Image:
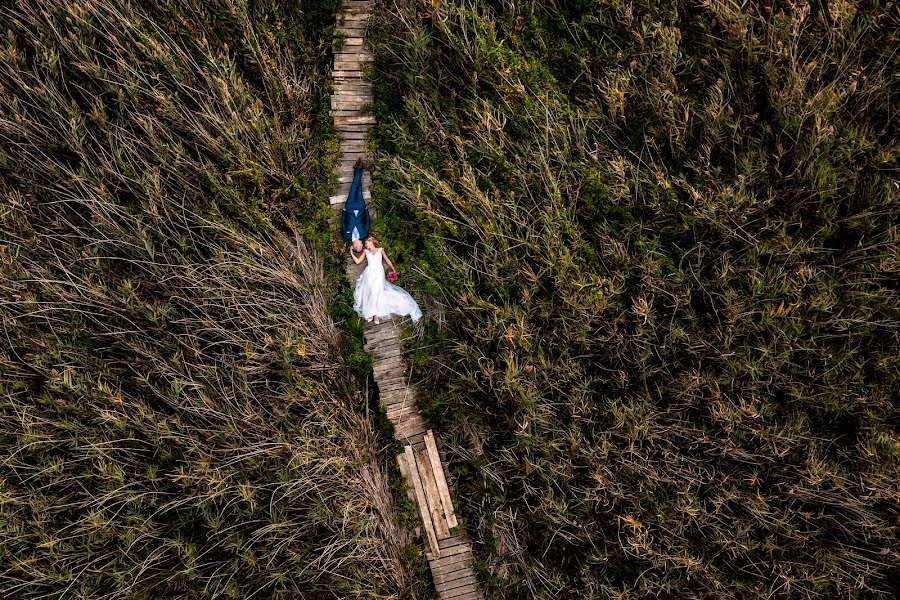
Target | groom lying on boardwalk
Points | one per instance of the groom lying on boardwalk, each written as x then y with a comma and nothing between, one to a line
355,215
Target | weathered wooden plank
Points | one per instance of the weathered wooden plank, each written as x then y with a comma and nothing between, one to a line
416,441
356,146
420,499
388,351
410,420
396,394
404,471
381,360
411,427
347,16
385,364
453,563
440,481
398,373
386,381
351,39
349,103
394,388
353,53
375,336
348,74
456,550
426,472
348,65
398,397
381,332
454,540
352,84
350,129
460,573
408,426
467,593
389,344
445,588
347,97
353,28
400,415
344,110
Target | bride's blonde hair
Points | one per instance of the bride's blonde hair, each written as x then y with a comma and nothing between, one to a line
374,241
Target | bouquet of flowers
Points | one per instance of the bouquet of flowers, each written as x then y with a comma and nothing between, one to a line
392,276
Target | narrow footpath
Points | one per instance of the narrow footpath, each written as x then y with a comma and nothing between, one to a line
448,549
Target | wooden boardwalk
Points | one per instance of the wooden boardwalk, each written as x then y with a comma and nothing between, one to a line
448,549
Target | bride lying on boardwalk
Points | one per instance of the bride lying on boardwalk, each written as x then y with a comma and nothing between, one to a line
375,298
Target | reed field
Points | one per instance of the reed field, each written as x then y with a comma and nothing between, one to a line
658,250
177,415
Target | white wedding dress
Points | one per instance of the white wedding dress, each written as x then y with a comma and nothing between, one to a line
375,296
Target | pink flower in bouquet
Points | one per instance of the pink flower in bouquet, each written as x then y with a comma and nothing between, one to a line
392,276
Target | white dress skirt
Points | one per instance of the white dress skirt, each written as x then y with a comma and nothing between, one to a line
375,296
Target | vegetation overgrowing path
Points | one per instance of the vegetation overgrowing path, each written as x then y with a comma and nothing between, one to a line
449,550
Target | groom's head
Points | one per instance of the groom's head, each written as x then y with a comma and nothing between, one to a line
357,245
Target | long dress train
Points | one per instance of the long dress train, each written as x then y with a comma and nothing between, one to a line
374,295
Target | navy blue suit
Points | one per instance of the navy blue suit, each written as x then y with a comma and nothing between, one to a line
355,213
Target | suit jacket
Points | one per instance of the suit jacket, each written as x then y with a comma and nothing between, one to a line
355,213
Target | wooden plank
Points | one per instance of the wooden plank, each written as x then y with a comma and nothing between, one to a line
384,344
345,97
349,109
352,29
439,478
454,540
452,564
456,550
420,500
384,364
400,409
411,428
349,129
467,593
453,585
426,472
393,388
456,571
404,471
376,337
353,84
348,65
399,396
416,441
353,53
349,103
388,351
461,573
348,74
381,359
410,420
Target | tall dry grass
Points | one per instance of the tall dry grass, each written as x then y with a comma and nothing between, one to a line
659,245
177,419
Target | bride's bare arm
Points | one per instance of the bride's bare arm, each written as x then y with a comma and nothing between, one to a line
387,260
356,259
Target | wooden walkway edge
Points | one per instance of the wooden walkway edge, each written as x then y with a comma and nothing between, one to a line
449,550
